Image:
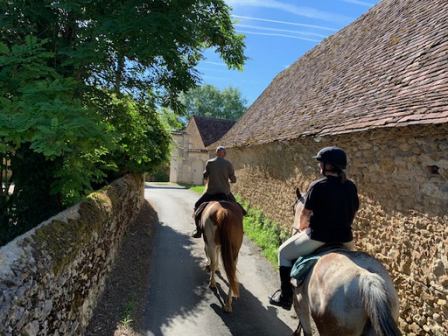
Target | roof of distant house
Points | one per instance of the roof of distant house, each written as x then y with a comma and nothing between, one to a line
212,129
386,69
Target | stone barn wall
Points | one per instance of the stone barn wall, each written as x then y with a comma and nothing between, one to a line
402,180
52,276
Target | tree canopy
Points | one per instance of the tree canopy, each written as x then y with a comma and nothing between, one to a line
208,101
80,85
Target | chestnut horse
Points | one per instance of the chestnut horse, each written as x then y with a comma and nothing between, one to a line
223,234
347,293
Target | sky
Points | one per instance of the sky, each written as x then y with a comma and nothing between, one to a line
278,32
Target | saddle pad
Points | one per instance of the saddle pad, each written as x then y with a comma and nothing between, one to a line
303,266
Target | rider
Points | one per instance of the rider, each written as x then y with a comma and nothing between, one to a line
330,207
219,173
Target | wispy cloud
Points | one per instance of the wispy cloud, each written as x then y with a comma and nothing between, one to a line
276,34
214,63
279,30
361,3
284,22
293,9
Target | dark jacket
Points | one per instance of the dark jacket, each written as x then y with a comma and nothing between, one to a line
334,205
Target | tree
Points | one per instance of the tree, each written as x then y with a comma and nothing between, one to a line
80,83
208,101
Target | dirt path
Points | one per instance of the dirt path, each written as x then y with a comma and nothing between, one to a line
126,286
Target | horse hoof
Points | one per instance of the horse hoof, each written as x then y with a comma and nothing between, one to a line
228,309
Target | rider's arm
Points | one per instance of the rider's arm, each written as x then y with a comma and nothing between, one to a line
232,177
305,215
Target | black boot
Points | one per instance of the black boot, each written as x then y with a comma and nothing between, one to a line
198,232
283,297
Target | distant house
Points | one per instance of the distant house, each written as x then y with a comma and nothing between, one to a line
189,154
379,89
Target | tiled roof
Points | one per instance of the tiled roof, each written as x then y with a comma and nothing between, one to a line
212,129
386,69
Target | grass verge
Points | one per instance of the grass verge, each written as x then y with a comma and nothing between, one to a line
264,232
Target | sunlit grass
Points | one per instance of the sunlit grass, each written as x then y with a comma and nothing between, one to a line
198,188
267,235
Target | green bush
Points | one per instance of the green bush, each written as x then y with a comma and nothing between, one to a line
160,177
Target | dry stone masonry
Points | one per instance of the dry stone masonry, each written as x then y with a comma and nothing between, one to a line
52,276
402,179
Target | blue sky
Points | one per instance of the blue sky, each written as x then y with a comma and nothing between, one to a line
278,32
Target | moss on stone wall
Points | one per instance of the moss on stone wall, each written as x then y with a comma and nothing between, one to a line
55,273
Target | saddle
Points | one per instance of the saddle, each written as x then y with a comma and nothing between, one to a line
218,197
305,264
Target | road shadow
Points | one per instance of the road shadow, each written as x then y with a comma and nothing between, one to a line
180,292
249,316
180,284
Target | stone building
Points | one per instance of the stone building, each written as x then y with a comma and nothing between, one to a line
189,154
378,89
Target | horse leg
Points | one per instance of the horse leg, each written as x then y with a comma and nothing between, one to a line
302,311
228,307
210,253
217,251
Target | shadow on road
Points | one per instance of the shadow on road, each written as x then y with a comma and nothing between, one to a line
179,297
249,316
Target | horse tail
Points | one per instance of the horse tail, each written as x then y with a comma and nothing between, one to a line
229,252
378,306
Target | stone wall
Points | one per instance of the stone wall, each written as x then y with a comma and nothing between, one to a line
52,276
402,179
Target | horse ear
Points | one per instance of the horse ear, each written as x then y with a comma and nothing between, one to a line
299,195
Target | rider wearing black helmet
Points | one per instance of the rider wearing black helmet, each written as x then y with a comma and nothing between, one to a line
326,217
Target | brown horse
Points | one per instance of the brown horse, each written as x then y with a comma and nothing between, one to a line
223,232
347,293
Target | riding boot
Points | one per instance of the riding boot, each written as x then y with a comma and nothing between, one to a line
284,299
198,232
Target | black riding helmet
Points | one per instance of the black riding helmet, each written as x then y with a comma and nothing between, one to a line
334,156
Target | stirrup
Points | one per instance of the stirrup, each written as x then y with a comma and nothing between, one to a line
274,295
197,234
279,301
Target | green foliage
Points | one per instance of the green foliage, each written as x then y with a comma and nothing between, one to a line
171,121
38,106
197,188
161,177
141,143
263,232
129,46
208,101
79,87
